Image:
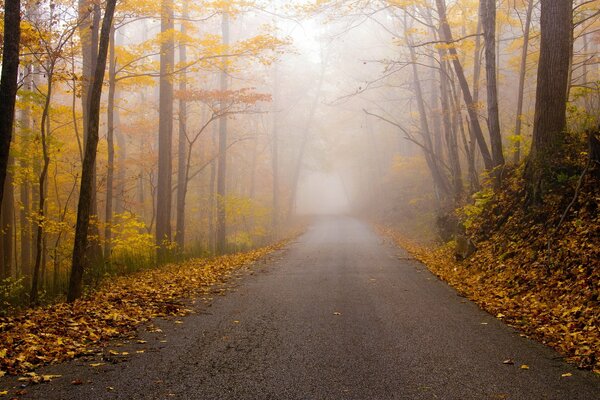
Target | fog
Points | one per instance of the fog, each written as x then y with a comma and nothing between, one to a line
217,132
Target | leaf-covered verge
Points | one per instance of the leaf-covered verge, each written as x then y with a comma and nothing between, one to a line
540,279
64,331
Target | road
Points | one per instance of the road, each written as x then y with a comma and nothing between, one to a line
339,314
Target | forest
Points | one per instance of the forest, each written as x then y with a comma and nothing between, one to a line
151,152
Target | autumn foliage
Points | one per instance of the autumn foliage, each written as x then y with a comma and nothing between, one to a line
526,270
64,331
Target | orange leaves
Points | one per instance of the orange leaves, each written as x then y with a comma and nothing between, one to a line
64,331
556,307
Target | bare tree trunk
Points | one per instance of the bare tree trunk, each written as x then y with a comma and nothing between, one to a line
89,17
8,82
522,75
110,130
438,176
165,132
181,151
488,17
84,207
551,97
458,69
24,191
275,153
211,194
39,237
221,231
7,229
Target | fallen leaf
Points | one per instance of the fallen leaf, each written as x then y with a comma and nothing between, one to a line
337,313
96,364
77,382
500,316
4,393
508,362
524,366
568,374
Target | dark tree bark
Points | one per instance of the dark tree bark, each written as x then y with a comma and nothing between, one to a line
460,74
221,228
551,96
522,75
488,18
84,206
25,227
8,82
89,16
165,133
7,228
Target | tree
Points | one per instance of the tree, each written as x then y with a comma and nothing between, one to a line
84,207
446,34
522,75
8,82
488,19
165,130
551,96
221,228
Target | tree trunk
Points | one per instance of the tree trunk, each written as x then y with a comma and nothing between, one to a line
165,133
24,191
84,207
275,153
551,96
110,131
458,69
41,211
7,229
181,151
211,194
221,231
522,75
8,82
439,179
488,17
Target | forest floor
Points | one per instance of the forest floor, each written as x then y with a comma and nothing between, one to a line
532,268
63,331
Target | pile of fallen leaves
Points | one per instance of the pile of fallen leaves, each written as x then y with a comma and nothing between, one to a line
537,276
63,331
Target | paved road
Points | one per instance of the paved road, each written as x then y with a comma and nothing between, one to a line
340,314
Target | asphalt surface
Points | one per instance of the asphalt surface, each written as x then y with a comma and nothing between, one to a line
339,314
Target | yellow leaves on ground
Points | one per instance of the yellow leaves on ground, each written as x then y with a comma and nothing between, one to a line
554,309
64,331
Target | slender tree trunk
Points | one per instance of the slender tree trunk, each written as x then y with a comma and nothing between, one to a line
165,133
7,229
477,59
110,133
89,15
522,75
551,96
275,153
8,82
41,211
211,194
221,232
488,17
458,69
438,176
181,151
24,191
84,207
